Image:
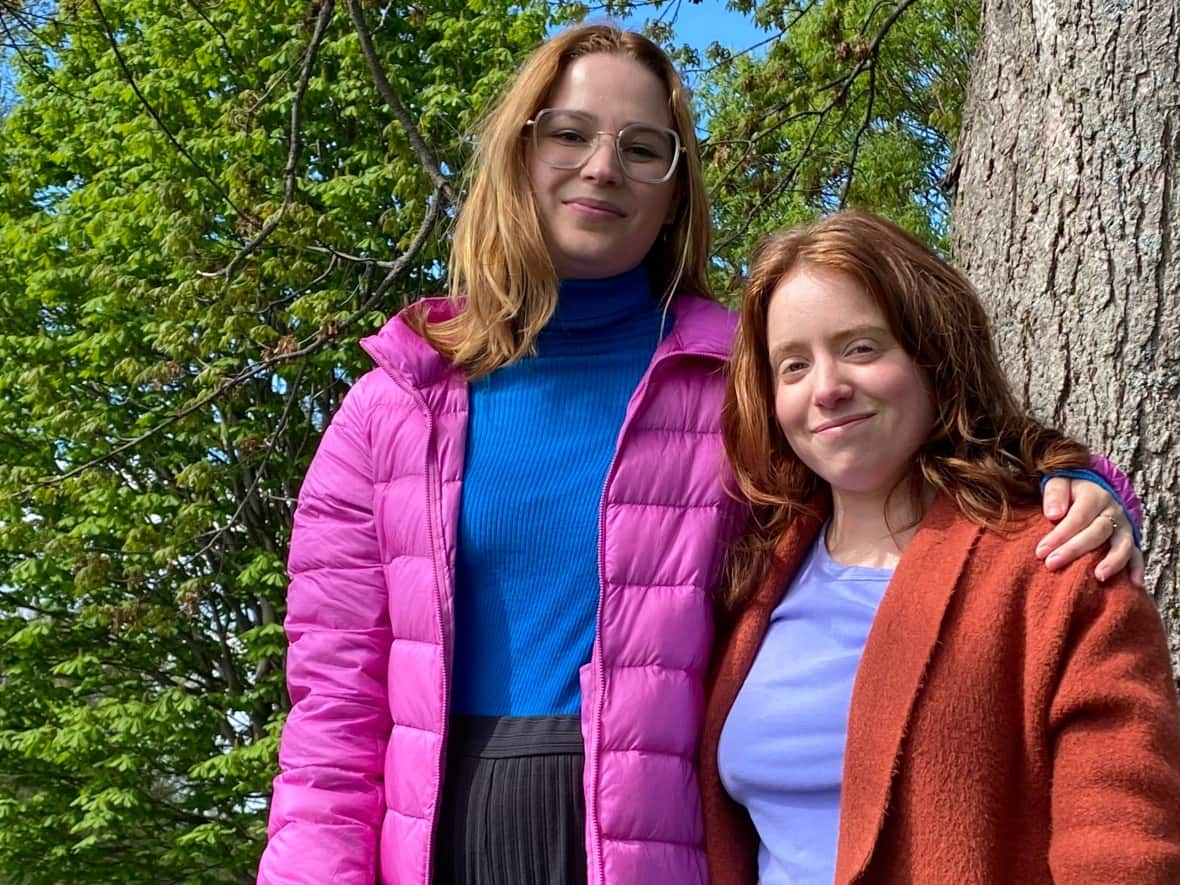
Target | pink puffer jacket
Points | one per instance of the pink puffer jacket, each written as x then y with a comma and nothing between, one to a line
371,625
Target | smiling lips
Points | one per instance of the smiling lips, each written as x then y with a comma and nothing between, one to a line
842,423
595,208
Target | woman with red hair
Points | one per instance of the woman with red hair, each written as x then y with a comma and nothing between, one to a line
903,694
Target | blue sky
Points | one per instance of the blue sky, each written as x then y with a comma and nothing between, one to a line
699,24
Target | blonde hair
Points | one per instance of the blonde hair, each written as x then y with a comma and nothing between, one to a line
500,270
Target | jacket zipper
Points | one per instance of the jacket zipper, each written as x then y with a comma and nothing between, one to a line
593,753
431,476
431,502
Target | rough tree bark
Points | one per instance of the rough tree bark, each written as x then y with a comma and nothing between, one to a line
1067,219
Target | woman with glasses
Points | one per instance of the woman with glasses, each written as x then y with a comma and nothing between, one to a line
505,548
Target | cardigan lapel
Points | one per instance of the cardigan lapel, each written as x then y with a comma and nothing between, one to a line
892,669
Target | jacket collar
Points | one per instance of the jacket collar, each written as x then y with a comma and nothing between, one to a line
399,350
702,327
900,645
749,627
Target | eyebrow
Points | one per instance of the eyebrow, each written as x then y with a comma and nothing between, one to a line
593,119
785,347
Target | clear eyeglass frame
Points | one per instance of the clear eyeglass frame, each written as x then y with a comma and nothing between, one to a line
592,146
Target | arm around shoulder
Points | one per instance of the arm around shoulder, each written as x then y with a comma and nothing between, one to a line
327,807
1114,731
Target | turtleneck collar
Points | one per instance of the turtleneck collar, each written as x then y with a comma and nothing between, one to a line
588,305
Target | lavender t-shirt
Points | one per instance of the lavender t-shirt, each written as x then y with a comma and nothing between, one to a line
782,747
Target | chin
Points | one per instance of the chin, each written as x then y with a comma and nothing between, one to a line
855,482
614,254
594,269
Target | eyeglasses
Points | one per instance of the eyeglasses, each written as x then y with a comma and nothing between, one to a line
567,139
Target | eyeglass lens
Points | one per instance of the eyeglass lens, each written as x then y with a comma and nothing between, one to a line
566,139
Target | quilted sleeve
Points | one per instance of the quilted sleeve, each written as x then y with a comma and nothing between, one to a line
328,803
1121,486
1103,472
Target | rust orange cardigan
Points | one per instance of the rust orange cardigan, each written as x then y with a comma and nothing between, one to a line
1009,725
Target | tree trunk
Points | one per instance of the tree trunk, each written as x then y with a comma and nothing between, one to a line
1067,220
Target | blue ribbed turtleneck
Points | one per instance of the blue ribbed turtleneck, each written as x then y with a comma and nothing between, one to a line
540,438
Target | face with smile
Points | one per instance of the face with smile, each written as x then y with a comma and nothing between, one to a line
852,403
597,222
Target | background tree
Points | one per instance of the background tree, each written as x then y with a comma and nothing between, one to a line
1068,221
203,205
845,103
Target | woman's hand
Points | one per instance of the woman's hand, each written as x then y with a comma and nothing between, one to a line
1093,518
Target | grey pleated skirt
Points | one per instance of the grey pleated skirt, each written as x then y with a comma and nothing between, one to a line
513,811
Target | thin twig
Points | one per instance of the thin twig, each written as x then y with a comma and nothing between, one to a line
33,69
732,57
25,15
729,59
229,54
421,150
294,144
674,8
292,395
276,78
882,32
844,84
337,255
860,133
784,181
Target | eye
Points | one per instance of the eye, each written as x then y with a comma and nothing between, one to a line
791,367
646,144
641,152
861,348
567,136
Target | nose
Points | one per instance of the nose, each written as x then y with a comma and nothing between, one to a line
831,388
603,163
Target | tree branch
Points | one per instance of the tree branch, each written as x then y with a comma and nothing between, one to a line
781,186
321,339
420,148
294,143
402,264
874,48
337,255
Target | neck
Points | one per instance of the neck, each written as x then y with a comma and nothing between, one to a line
873,529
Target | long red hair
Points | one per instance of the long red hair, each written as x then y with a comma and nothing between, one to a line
983,450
